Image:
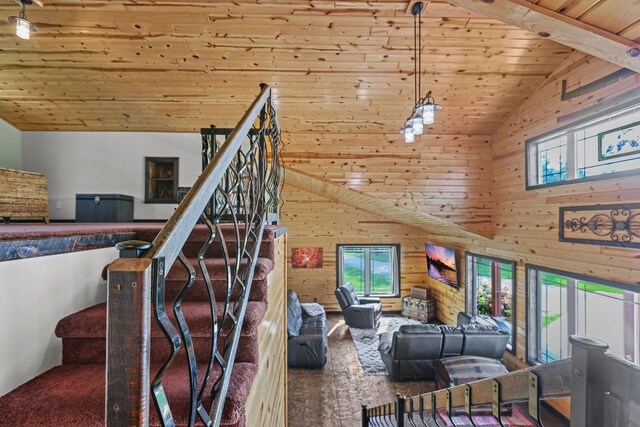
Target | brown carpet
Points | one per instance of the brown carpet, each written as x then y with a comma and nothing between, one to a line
333,396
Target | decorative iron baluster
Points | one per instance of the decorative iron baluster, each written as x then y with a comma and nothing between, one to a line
232,190
172,335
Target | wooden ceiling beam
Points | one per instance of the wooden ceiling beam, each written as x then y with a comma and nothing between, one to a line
429,223
559,28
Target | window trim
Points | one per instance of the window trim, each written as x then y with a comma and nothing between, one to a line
514,293
569,274
395,246
563,129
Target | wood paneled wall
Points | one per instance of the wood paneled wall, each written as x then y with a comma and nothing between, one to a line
447,176
314,221
525,223
267,402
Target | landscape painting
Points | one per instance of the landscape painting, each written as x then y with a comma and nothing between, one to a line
306,257
441,264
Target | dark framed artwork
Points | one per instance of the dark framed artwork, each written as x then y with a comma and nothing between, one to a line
619,142
161,180
607,225
307,257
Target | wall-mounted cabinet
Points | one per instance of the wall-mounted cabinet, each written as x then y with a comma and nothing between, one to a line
161,180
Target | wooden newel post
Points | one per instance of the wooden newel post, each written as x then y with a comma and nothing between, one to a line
587,381
129,284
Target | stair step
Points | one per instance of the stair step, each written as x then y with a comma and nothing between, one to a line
73,395
200,234
176,279
83,333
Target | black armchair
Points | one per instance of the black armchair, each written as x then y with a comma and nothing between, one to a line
358,312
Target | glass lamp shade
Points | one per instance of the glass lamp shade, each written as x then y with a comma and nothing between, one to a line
23,28
409,136
428,112
416,125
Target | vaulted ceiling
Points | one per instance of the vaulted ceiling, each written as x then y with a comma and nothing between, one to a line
335,66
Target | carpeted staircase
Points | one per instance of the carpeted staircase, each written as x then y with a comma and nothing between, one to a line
73,394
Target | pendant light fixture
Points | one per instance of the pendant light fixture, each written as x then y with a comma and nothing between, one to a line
424,109
24,27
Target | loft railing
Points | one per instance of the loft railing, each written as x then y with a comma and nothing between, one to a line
239,179
213,138
604,392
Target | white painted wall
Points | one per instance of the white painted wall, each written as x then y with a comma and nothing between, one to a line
106,162
36,294
10,140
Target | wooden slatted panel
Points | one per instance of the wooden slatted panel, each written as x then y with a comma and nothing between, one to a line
23,195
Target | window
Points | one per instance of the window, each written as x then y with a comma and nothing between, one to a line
371,269
563,304
587,150
490,292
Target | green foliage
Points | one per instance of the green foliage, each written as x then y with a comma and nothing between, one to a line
484,270
547,320
380,283
484,297
550,279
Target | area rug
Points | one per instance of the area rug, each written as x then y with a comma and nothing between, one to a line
366,342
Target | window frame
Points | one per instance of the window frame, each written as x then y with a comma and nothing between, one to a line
468,292
397,276
535,313
574,125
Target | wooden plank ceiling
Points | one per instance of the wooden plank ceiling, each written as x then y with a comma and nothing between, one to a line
342,78
335,66
607,29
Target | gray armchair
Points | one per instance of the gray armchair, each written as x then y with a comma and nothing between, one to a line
358,312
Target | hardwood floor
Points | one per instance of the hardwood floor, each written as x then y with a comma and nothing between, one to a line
332,396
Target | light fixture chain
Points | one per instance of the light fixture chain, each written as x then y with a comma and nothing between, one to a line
415,60
419,56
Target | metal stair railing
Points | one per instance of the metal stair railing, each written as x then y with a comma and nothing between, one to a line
239,178
604,392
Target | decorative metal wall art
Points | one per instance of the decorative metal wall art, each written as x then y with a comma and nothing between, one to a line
609,225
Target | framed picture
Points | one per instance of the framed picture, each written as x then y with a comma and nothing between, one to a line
619,142
306,257
161,180
442,264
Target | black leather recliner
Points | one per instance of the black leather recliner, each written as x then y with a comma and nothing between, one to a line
411,351
360,312
308,341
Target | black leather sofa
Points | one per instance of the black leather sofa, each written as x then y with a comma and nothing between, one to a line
358,312
308,341
411,351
